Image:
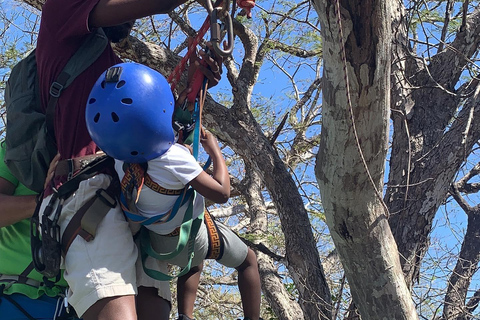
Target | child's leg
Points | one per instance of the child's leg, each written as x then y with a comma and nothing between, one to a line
154,297
187,286
150,306
249,286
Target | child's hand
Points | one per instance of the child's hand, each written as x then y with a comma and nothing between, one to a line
209,143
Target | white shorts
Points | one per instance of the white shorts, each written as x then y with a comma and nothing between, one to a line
107,266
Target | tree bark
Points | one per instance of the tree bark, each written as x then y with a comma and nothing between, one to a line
353,148
429,142
273,289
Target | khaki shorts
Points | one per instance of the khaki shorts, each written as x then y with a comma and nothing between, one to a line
107,266
234,251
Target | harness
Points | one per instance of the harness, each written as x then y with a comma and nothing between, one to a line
48,246
135,178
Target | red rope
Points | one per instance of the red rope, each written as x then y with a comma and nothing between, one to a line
180,68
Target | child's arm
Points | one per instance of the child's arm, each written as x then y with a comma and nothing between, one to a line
217,187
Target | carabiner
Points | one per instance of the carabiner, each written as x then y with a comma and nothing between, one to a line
215,29
216,33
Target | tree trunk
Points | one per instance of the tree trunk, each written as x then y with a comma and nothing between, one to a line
430,141
353,149
303,261
272,286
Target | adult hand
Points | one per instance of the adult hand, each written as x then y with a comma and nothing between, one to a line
51,170
247,6
213,68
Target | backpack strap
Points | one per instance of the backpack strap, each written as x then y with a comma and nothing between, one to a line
89,51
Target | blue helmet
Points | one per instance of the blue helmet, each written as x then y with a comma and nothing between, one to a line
129,113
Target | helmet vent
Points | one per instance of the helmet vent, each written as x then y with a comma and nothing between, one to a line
96,118
134,153
115,117
127,101
92,100
103,84
120,84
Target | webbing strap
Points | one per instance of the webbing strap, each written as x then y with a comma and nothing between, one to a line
185,230
86,220
215,241
184,240
92,48
197,114
11,279
128,206
23,276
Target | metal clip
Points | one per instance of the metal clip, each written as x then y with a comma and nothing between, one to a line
216,29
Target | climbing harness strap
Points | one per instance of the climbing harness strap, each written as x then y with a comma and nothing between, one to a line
135,178
21,278
47,249
188,232
186,238
148,182
86,220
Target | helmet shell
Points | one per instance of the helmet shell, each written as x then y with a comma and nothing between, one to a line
129,113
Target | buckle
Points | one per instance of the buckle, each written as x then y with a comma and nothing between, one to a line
103,195
55,89
113,74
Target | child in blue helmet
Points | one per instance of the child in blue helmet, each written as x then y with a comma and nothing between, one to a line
129,115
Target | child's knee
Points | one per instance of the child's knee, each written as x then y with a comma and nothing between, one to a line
250,261
196,269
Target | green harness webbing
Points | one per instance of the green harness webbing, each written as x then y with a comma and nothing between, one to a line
188,232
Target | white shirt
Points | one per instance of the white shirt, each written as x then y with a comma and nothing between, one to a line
173,170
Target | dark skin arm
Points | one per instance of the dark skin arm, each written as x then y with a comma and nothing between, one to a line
14,208
109,13
217,187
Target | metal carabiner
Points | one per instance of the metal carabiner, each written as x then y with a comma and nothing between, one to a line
216,30
216,33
